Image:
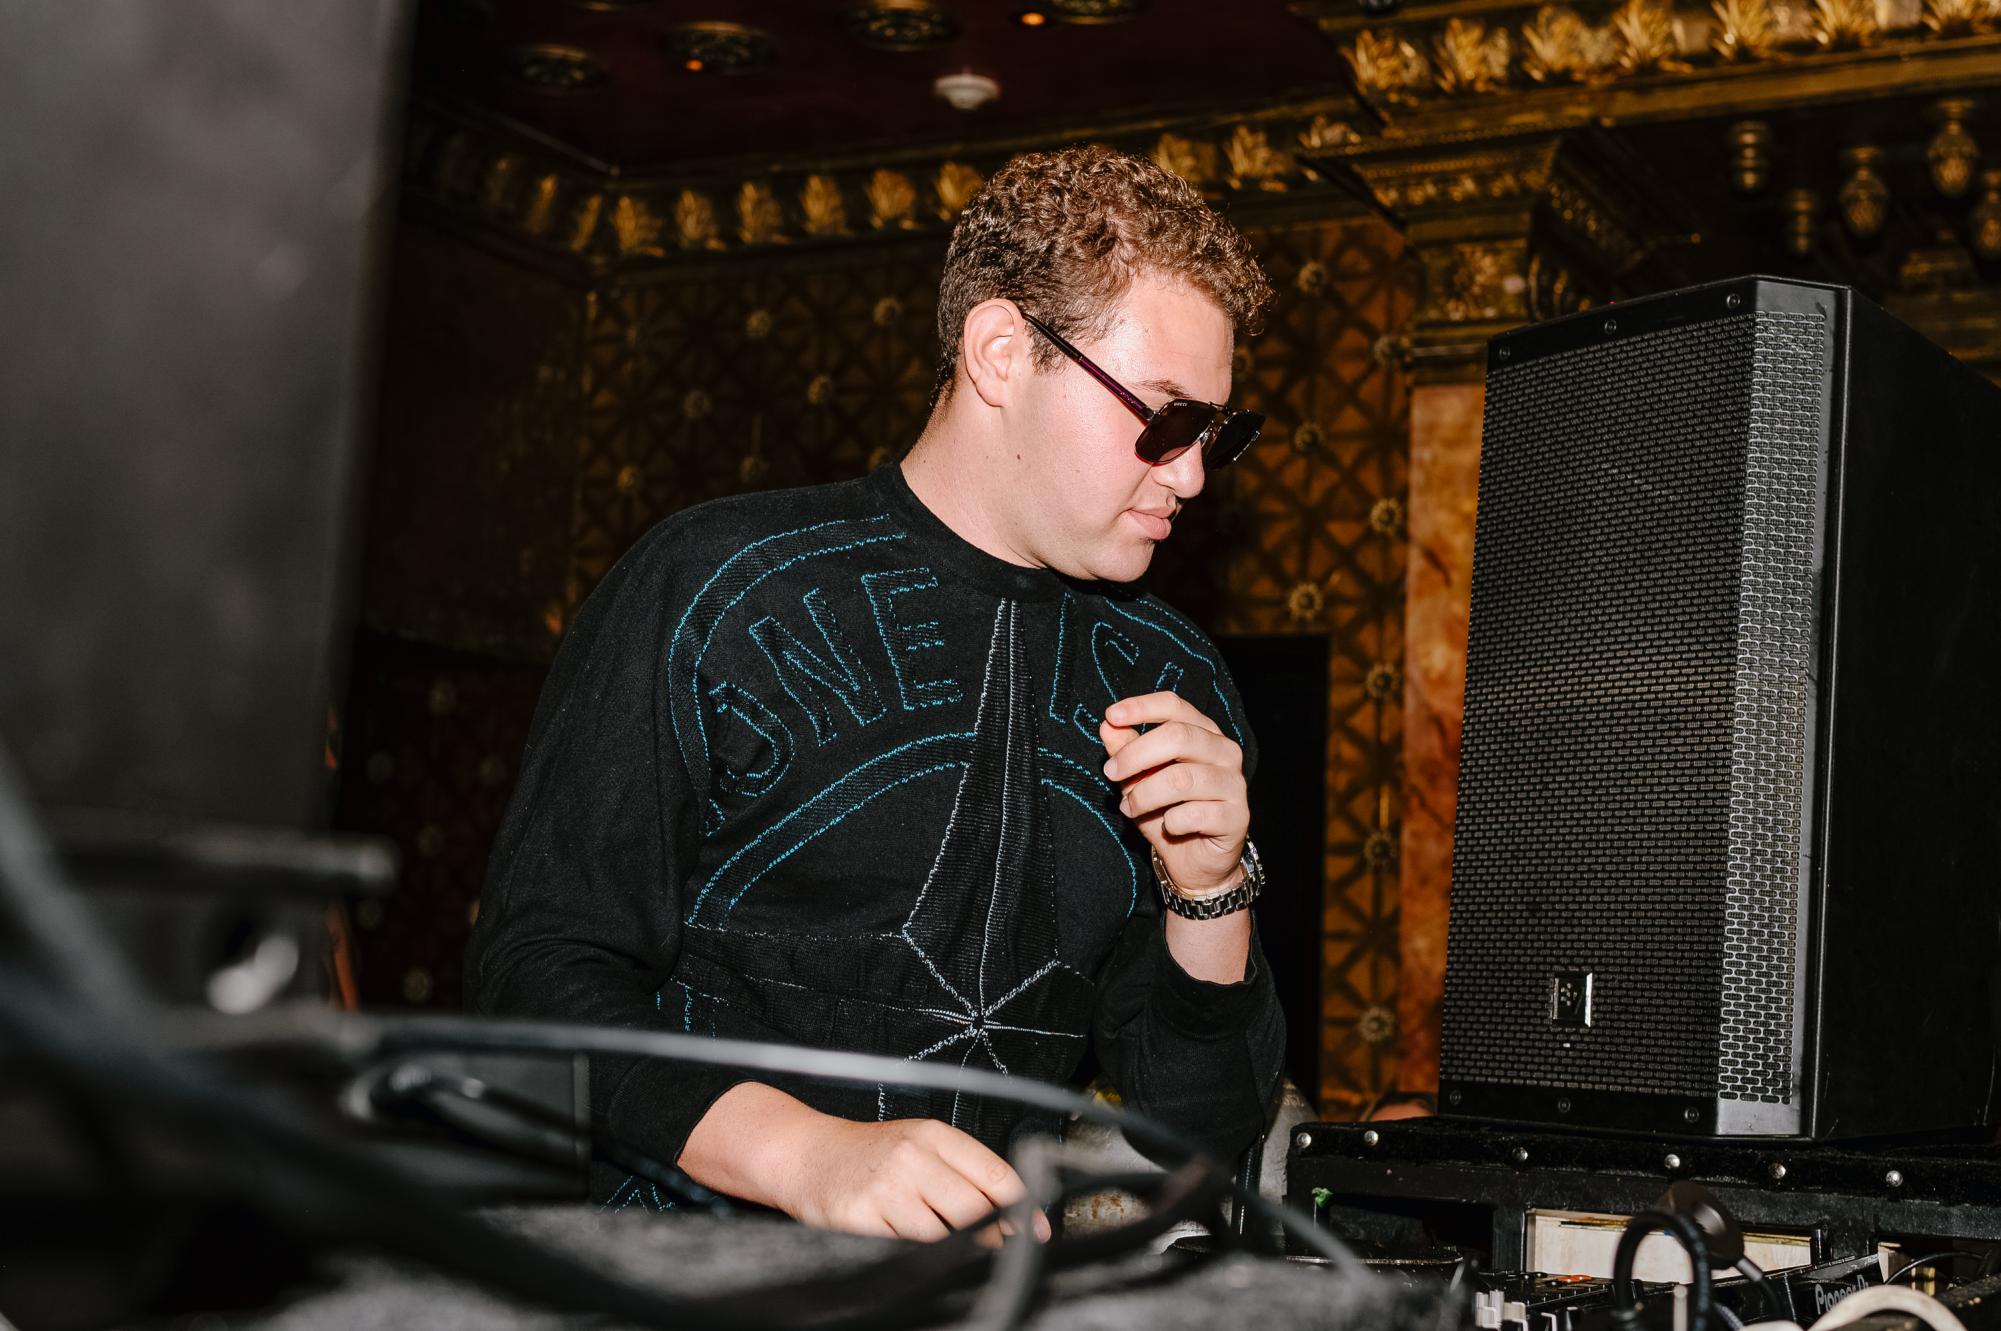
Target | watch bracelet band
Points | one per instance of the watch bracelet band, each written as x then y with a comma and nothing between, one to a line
1215,905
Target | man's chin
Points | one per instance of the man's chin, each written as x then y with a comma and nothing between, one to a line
1127,565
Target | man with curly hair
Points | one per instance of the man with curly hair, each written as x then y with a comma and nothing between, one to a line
907,765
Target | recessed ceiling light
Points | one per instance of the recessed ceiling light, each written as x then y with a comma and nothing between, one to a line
719,48
549,68
1031,18
900,25
1092,11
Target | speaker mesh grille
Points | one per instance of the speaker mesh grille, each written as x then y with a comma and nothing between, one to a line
1637,708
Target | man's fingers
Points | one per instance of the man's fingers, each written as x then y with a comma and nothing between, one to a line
1199,818
1175,741
1151,709
953,1196
1115,738
1178,783
993,1176
910,1218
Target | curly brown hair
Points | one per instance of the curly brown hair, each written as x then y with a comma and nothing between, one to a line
1064,233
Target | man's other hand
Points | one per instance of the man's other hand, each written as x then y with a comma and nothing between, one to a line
1182,781
913,1178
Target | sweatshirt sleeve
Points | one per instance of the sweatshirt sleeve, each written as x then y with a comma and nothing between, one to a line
1201,1057
580,917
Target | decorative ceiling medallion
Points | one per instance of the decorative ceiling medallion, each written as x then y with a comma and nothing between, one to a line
1093,11
547,68
900,25
720,48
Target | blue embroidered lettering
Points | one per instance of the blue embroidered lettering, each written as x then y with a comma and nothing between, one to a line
901,640
812,680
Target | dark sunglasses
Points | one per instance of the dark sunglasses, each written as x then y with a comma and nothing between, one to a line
1176,427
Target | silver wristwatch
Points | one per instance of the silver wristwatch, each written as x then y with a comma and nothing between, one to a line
1215,905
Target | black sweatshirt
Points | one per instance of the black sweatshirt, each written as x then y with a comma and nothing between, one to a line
809,767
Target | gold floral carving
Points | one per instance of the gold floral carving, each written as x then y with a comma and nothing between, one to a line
1386,66
584,221
1464,283
695,222
820,202
1984,219
1324,135
1585,219
1864,196
541,205
1193,162
759,219
1802,224
1253,160
499,175
1647,39
1553,290
637,228
892,201
957,184
1745,29
1558,46
1469,58
1843,24
1952,153
1958,18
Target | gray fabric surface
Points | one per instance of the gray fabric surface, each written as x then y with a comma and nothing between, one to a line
692,1255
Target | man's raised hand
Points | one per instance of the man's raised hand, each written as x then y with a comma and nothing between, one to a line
1182,781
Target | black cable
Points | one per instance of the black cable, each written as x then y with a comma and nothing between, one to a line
94,1029
390,1035
1690,1235
541,1134
1926,1260
1192,1192
1775,1298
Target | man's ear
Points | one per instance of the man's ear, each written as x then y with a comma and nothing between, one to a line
993,348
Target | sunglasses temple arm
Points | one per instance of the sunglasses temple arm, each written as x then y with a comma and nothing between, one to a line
1113,386
1118,390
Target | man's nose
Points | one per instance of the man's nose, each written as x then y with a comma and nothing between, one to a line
1186,475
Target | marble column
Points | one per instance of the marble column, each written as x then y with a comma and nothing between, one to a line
1444,486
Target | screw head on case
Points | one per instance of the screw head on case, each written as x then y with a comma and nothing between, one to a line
1777,1171
1733,300
1520,1155
1671,1162
1894,1179
1302,1140
1504,352
1371,1137
1611,326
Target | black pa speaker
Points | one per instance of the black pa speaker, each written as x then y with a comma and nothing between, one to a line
1729,824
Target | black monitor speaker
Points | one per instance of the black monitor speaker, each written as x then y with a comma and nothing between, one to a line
1728,848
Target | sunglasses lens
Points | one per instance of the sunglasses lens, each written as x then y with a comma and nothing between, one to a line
1236,434
1179,424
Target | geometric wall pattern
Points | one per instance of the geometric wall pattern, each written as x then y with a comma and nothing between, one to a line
1311,540
812,367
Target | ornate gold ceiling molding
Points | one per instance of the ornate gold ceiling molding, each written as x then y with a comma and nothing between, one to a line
1511,232
1571,63
591,219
